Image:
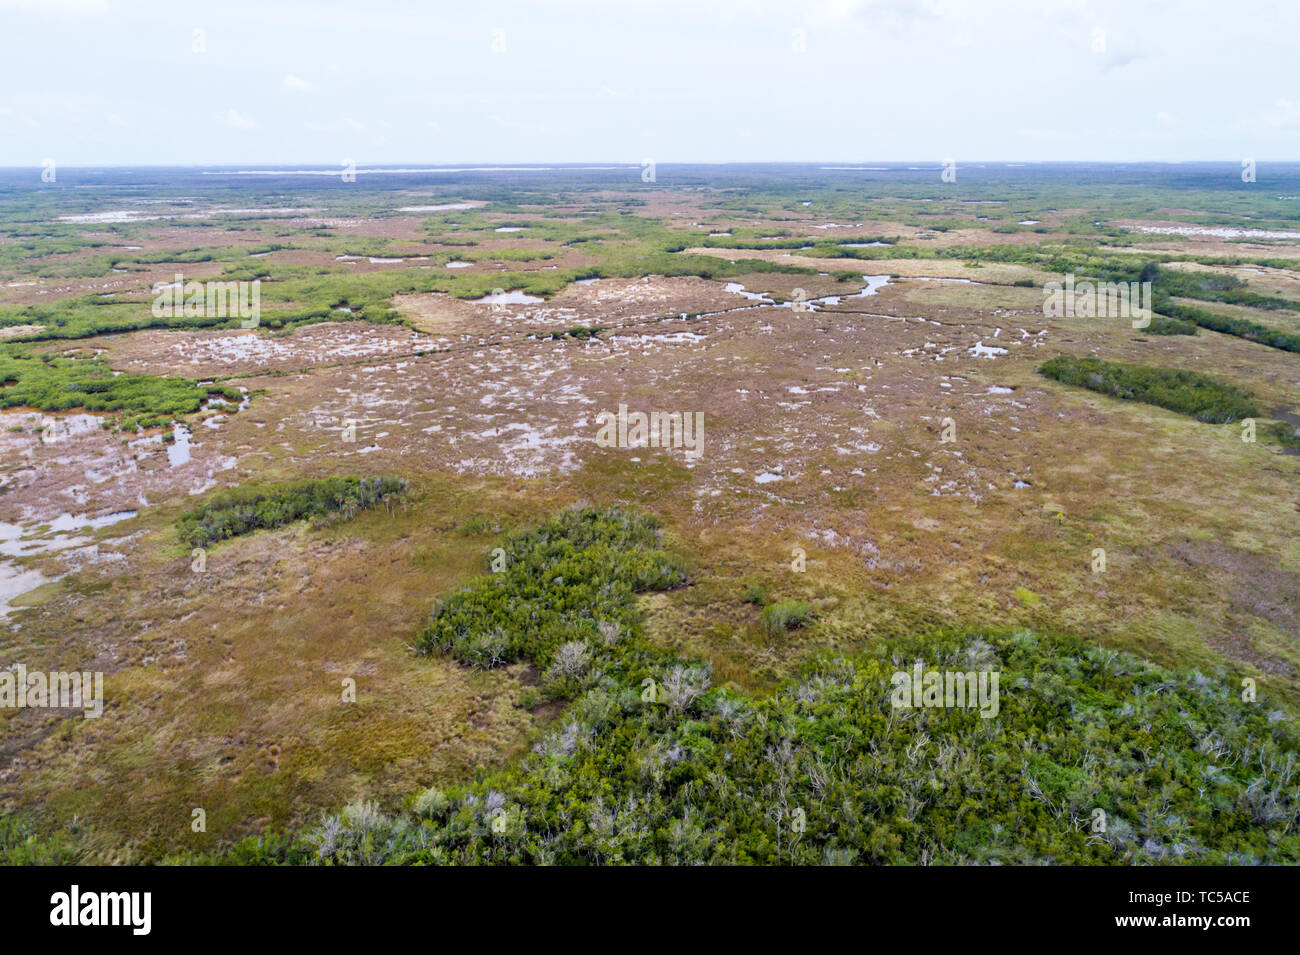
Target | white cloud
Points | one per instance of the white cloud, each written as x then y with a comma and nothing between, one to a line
591,78
18,117
515,125
236,120
347,123
1283,113
296,84
58,8
1281,119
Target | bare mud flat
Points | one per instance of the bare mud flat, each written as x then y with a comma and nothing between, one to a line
602,302
211,354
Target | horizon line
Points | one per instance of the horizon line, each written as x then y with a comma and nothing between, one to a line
849,165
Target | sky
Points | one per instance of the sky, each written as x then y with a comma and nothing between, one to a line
255,82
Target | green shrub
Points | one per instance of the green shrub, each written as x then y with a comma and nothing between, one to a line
1164,325
1187,392
242,510
784,615
1227,325
1027,598
1285,434
1180,769
21,844
652,765
581,332
56,383
560,582
432,803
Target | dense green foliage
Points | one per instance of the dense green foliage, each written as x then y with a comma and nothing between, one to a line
23,844
1242,328
1285,434
569,581
651,764
1187,392
242,510
1214,287
57,383
1164,325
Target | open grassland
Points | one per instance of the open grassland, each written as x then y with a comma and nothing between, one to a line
885,474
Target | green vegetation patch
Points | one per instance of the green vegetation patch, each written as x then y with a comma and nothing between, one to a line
1187,392
829,772
1227,325
785,615
23,844
58,383
1089,755
1285,434
580,332
571,581
242,510
1164,325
